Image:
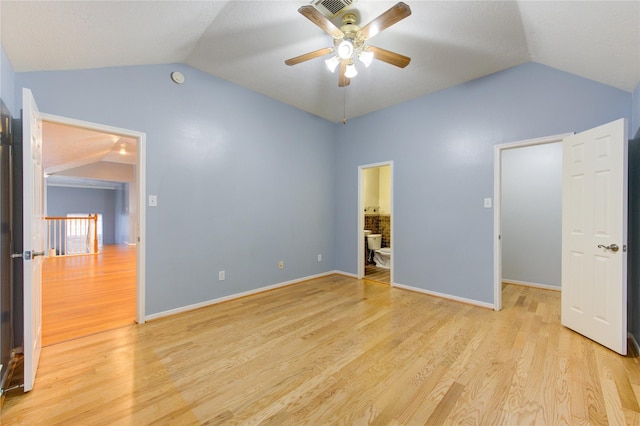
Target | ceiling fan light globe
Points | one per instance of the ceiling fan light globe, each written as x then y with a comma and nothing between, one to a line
350,71
345,49
332,63
366,58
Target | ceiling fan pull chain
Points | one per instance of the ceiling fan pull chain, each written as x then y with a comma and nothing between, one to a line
344,110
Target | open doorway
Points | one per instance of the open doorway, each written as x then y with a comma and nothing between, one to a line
528,214
375,218
92,169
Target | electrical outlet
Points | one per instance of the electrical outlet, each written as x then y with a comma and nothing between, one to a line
319,258
221,276
281,264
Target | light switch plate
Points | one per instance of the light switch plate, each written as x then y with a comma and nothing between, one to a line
487,203
153,200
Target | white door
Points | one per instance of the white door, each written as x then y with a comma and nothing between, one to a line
594,234
33,236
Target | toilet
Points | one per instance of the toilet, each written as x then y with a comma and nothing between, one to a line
381,255
374,241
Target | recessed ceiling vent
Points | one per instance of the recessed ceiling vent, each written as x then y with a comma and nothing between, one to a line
331,8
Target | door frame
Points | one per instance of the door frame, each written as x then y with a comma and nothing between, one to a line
497,206
361,206
141,189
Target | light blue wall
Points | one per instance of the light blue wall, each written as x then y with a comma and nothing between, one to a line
242,181
7,83
532,214
442,148
122,214
64,200
635,113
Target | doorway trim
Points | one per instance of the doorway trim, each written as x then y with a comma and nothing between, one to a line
361,206
497,206
141,189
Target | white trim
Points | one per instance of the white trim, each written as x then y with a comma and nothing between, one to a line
234,296
68,185
361,243
361,206
528,284
141,182
497,207
141,243
445,296
348,274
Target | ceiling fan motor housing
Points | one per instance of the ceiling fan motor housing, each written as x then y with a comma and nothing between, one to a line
351,31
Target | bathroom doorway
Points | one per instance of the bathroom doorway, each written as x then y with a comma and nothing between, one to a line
375,218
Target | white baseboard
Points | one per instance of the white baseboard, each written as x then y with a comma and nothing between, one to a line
347,274
445,296
234,296
528,284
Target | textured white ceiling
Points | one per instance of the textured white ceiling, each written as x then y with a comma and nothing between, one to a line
246,42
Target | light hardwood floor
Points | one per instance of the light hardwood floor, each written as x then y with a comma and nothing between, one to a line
82,295
337,350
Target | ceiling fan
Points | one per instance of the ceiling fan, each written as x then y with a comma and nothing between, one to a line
349,41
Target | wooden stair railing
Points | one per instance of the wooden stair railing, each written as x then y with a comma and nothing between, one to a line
72,236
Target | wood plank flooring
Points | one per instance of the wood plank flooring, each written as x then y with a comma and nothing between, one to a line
82,295
337,350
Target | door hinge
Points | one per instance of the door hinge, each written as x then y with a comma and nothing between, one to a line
4,391
624,248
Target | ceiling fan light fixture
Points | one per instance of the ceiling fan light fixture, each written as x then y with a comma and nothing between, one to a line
366,57
349,40
332,63
350,71
345,49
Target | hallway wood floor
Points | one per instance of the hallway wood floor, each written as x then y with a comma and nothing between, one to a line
337,350
88,294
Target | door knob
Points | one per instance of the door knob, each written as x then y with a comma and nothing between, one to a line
613,247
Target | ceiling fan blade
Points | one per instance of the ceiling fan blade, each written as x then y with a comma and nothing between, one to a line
389,57
308,56
343,80
315,16
387,19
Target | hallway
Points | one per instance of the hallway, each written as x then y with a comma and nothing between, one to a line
83,295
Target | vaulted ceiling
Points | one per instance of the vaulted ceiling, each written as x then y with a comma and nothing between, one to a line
246,42
67,147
